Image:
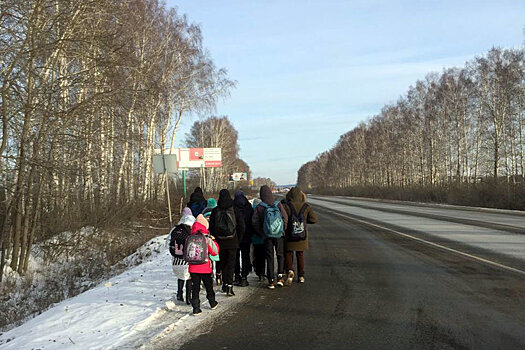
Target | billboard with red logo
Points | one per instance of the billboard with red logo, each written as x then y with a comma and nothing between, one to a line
196,157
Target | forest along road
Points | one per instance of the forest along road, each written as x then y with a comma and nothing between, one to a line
402,282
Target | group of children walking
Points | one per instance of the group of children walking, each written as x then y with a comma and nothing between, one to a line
222,232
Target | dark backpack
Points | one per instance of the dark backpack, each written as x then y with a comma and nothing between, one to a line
296,230
273,224
225,224
196,249
178,236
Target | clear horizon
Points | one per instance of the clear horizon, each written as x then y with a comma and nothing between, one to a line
307,72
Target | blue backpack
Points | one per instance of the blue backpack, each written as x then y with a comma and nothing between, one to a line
273,225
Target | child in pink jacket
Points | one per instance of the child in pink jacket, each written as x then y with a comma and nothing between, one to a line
202,272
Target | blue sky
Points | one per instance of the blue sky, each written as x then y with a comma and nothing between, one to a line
308,71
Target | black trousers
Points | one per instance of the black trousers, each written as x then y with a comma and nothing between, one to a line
259,252
243,253
227,258
196,279
272,244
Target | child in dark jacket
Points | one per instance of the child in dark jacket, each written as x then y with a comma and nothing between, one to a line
271,244
197,202
228,246
202,272
241,203
259,251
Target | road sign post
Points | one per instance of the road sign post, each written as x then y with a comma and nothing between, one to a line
184,182
164,164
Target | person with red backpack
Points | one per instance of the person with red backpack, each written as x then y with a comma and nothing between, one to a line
269,220
199,246
177,237
225,222
296,238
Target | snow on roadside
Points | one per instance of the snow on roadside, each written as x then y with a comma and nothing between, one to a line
131,310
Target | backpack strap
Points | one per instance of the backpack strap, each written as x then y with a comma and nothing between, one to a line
292,208
303,209
234,219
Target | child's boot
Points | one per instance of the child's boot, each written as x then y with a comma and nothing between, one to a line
230,292
180,286
188,292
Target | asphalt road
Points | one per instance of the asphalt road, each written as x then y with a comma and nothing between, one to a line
367,288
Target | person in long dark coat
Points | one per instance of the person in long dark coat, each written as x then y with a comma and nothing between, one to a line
297,199
259,252
197,202
241,203
227,247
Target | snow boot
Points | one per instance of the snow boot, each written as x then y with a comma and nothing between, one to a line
213,304
230,292
237,280
188,292
180,287
280,280
244,282
289,278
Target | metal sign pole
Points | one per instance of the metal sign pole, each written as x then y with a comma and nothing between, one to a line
184,182
165,164
167,190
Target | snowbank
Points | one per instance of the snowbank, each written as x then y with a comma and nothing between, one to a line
131,310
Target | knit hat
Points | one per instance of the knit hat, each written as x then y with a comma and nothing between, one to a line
202,220
212,203
225,200
187,220
207,212
186,211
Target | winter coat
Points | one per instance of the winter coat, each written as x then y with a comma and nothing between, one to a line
197,202
213,249
179,265
245,209
258,215
256,239
295,197
225,202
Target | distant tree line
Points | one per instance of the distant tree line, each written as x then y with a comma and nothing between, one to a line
261,181
457,137
88,90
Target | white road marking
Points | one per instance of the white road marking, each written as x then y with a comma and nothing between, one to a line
474,257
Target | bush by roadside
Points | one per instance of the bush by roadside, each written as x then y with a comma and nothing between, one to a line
72,262
486,194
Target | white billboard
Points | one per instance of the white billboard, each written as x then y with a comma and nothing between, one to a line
196,157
